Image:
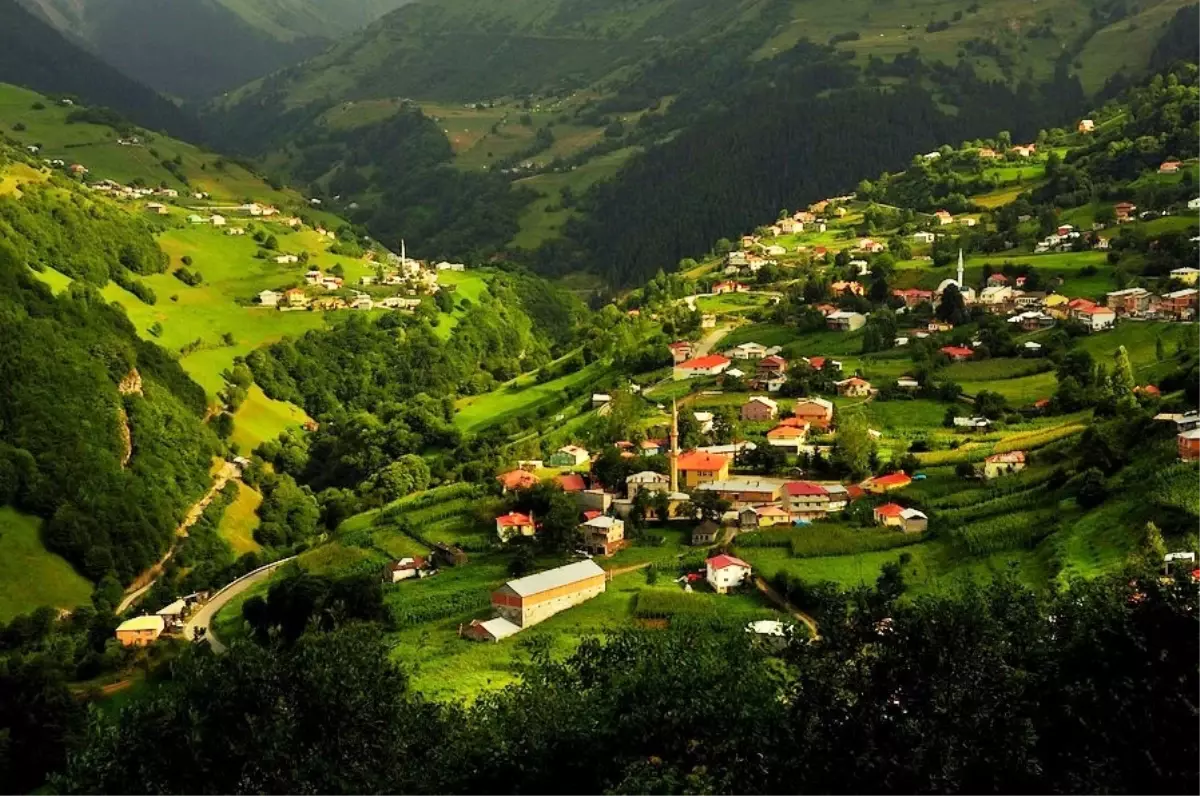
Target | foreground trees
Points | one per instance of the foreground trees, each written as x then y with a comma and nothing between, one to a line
991,689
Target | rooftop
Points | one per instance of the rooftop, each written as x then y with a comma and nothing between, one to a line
553,578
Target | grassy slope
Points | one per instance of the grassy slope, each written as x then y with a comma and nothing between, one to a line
239,521
30,575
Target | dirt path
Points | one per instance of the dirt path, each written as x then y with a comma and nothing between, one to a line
710,340
777,598
144,581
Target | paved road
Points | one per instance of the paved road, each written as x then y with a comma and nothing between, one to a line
202,619
143,582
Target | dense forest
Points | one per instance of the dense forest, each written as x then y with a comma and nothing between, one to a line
111,471
990,689
36,56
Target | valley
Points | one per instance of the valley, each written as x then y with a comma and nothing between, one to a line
663,396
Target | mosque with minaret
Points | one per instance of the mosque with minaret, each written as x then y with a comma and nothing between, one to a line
968,294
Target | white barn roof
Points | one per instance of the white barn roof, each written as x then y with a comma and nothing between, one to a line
553,578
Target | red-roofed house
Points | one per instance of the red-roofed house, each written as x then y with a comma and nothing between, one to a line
943,217
1169,167
570,482
957,353
1003,463
517,479
853,387
773,365
710,365
816,411
1149,390
514,524
726,572
805,499
729,287
913,296
681,351
1124,210
997,279
886,483
1095,318
698,467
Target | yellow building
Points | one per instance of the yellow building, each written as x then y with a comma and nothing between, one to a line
698,467
141,631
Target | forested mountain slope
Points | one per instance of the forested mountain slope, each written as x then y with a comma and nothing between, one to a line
35,55
110,469
195,48
686,117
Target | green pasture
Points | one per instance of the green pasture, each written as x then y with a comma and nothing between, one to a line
30,575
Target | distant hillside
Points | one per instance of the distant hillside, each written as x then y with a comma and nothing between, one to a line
35,55
196,48
559,98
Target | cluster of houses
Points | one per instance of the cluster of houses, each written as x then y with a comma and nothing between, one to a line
297,298
142,631
1187,433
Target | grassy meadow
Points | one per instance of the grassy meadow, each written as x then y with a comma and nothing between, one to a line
30,575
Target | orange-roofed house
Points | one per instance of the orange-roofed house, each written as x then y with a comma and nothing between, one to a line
698,467
514,524
788,437
1148,390
1169,167
816,411
710,365
957,353
886,483
517,479
853,387
729,287
888,514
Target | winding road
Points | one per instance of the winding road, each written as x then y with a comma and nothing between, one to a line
202,619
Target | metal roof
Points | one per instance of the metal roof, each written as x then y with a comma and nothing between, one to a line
553,578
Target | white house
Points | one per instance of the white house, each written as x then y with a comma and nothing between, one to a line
269,298
747,351
287,259
725,572
924,237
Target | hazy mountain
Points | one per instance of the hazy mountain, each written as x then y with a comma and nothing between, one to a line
35,55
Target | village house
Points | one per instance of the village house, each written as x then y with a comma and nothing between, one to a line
141,631
957,353
943,217
405,568
514,524
1130,301
705,421
603,535
1169,167
532,599
705,533
516,479
726,572
217,221
568,456
1000,464
842,321
681,351
907,383
805,499
886,483
235,232
759,408
173,614
822,363
995,297
924,237
729,287
814,411
1124,211
709,365
1187,275
286,259
646,480
841,288
896,516
1180,303
754,517
913,296
743,491
1095,318
853,387
747,351
269,298
1188,445
362,302
699,467
789,438
1031,321
570,482
972,423
296,297
312,277
1086,126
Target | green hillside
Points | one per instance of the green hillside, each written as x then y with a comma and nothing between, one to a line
558,97
30,575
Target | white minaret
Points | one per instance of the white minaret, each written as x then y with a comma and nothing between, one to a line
960,268
404,259
674,447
